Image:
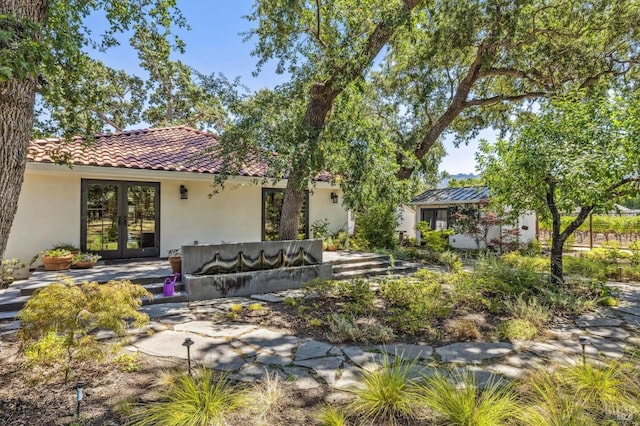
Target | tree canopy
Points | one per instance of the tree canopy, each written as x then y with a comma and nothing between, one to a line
576,155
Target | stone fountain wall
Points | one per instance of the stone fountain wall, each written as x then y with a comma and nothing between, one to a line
224,270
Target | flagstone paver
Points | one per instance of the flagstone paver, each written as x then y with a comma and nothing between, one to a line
267,297
313,349
366,360
166,310
274,341
327,367
208,328
273,359
615,333
300,378
594,321
473,352
407,352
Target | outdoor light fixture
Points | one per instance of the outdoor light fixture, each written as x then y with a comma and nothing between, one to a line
334,198
188,343
184,192
79,396
584,341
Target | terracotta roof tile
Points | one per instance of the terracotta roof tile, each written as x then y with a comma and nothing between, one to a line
168,148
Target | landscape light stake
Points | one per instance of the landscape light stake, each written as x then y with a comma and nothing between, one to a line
188,342
79,396
584,341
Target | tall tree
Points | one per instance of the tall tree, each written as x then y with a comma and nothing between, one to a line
325,46
576,155
467,65
40,39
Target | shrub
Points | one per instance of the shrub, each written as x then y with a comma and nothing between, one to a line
236,308
411,305
345,328
268,397
387,394
530,310
201,400
71,313
451,260
462,403
517,329
436,241
463,329
377,225
7,268
332,416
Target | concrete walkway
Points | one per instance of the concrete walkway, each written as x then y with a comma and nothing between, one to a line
248,351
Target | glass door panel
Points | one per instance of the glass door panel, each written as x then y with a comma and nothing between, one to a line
141,217
102,224
120,219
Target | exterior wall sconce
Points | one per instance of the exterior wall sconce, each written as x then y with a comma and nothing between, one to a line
184,192
334,198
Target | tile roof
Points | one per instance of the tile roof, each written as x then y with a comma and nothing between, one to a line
468,194
179,148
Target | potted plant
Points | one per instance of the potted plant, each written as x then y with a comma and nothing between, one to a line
175,259
67,246
330,244
56,259
85,260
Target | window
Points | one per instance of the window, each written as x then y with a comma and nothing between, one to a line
272,199
438,219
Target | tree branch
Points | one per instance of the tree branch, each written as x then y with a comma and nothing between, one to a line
502,98
107,120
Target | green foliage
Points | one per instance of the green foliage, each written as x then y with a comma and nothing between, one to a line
436,241
55,252
387,394
410,305
347,328
530,310
517,329
201,400
332,416
451,260
7,268
127,362
377,224
461,402
544,166
64,315
595,393
351,296
320,228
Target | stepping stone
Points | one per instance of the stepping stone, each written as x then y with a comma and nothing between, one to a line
267,359
246,350
473,352
615,333
252,373
507,370
606,347
407,352
267,297
632,321
366,360
300,378
312,349
560,354
165,310
157,327
276,342
179,319
12,326
326,367
350,379
631,310
208,328
592,321
215,353
480,376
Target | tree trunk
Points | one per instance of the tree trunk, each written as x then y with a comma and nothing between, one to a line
17,99
557,244
321,100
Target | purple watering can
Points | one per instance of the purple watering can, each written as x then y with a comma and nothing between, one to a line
169,284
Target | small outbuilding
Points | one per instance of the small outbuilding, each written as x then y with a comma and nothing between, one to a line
437,207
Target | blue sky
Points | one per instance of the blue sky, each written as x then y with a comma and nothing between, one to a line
214,44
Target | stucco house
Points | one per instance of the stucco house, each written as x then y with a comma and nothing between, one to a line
436,207
140,193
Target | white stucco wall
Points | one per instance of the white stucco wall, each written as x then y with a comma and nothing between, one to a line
49,208
460,241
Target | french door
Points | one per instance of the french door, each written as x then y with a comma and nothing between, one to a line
120,219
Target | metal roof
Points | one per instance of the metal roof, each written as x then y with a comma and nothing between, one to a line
464,195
